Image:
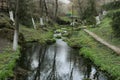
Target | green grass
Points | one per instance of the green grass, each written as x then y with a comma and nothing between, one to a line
102,56
104,30
36,35
7,62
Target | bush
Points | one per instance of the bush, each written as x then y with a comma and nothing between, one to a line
62,22
89,13
112,5
116,24
91,20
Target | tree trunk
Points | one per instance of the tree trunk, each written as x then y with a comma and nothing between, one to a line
16,32
41,13
41,21
56,10
33,21
46,9
11,15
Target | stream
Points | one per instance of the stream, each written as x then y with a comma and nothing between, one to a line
55,62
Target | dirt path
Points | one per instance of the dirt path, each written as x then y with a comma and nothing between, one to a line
114,48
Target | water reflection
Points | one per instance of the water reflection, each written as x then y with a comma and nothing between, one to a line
57,62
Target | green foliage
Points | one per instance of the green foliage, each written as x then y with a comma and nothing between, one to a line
24,13
111,13
116,24
8,62
51,41
74,42
89,13
112,5
27,8
58,37
91,20
66,34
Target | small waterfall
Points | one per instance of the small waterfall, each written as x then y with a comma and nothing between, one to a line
15,40
41,22
33,21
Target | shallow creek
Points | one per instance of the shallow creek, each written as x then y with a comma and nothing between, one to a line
55,62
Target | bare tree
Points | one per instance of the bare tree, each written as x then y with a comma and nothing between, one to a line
41,12
46,8
56,10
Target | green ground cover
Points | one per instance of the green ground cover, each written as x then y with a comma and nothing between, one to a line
7,62
102,56
37,35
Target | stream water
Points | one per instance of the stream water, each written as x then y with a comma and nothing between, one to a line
55,62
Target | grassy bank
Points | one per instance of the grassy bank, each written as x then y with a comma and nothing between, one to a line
8,57
104,30
102,56
7,62
37,35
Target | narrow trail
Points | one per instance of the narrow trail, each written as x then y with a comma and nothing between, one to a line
114,48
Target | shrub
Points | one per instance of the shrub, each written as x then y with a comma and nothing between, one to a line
116,24
91,20
112,5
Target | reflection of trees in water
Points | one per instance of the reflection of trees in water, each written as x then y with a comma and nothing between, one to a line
53,73
42,54
47,64
88,68
85,65
27,53
96,75
74,58
24,63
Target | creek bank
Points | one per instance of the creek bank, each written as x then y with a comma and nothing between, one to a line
32,36
41,36
7,62
102,56
8,57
